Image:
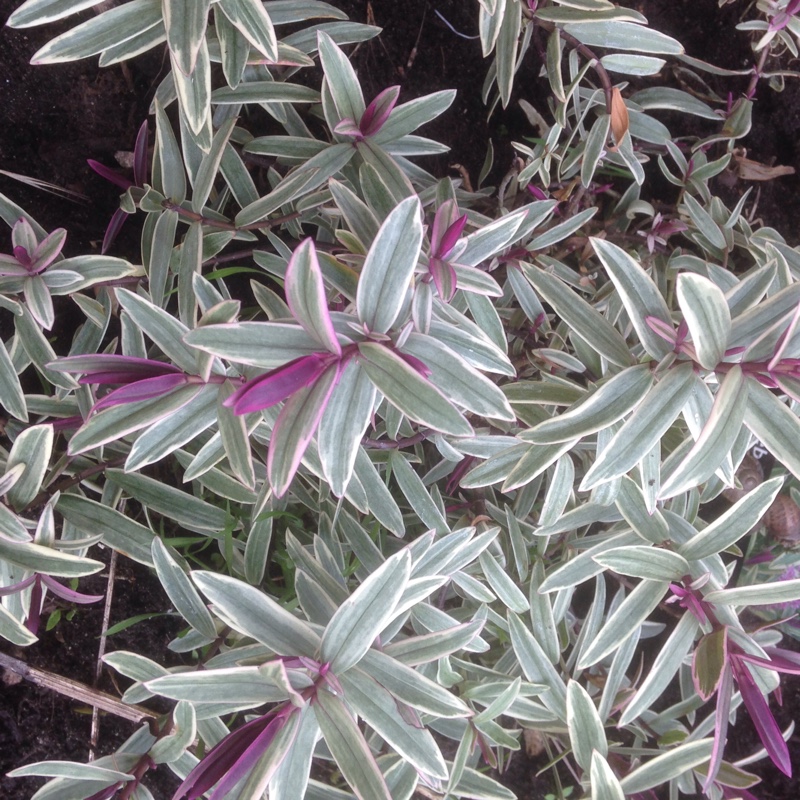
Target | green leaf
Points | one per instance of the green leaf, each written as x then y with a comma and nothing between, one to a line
342,81
618,35
405,388
507,47
757,595
561,231
380,711
644,428
629,615
349,748
407,117
508,592
641,561
774,425
632,505
105,30
185,21
181,592
602,408
257,615
586,732
241,686
209,166
12,398
294,428
386,274
630,64
343,425
70,769
457,380
605,784
32,448
666,664
729,527
12,630
638,293
705,311
252,20
417,493
361,618
47,560
667,766
290,780
580,316
39,12
119,532
490,239
710,657
265,92
194,99
708,228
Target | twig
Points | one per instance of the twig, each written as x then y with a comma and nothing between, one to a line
392,444
227,226
76,690
112,572
68,483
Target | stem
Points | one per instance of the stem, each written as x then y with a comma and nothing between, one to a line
68,483
391,444
758,69
586,52
186,213
76,690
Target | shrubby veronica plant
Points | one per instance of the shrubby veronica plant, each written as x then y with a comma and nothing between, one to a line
441,412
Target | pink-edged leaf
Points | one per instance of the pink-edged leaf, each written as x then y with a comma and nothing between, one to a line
779,660
248,759
664,330
11,268
114,227
708,662
758,708
417,363
5,591
140,390
23,235
443,219
721,717
277,384
444,278
48,250
378,111
110,368
348,127
140,156
68,594
220,759
451,236
109,174
295,426
305,295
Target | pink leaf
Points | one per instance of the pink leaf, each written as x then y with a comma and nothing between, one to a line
68,594
378,111
141,390
109,174
278,384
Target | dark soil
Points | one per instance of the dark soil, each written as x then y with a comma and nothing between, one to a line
56,117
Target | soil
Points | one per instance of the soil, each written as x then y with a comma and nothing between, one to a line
58,116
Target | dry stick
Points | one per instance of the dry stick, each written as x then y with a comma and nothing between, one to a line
76,690
112,572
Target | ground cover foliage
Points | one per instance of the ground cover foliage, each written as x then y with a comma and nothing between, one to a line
425,466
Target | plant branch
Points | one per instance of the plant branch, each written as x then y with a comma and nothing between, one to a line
396,444
186,213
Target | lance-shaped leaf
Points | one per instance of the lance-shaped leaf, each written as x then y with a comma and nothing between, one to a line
36,558
295,426
652,563
728,528
364,614
305,294
12,630
12,398
716,439
181,591
665,767
586,732
706,314
343,424
386,274
411,687
644,428
251,19
290,780
758,594
404,387
32,449
605,784
638,293
708,661
580,316
349,748
248,610
602,408
342,81
185,21
380,711
631,613
235,685
774,424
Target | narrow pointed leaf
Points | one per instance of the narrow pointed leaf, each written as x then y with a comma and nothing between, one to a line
706,313
586,731
185,21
